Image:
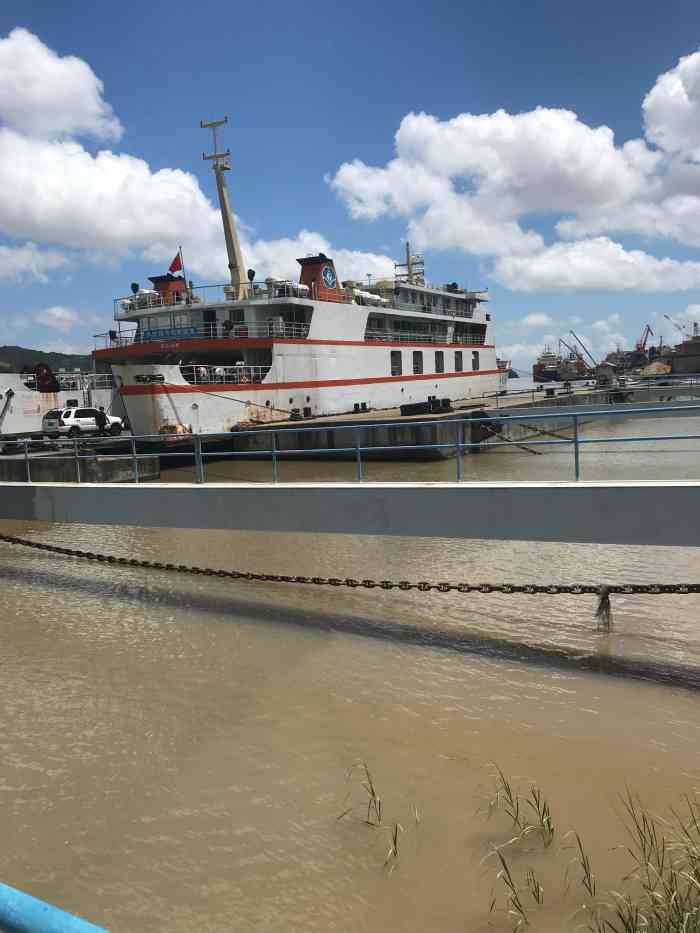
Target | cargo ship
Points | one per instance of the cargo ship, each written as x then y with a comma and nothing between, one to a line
555,367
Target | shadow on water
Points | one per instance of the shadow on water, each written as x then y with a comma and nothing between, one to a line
465,642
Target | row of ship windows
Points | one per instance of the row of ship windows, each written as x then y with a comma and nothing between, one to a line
397,362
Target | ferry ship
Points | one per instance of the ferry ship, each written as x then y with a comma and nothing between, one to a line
212,358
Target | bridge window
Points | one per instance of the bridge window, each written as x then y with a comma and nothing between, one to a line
475,360
417,362
458,361
396,367
439,361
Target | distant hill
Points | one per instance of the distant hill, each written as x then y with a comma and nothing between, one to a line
13,359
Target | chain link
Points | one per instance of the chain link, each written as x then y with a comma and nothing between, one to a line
422,586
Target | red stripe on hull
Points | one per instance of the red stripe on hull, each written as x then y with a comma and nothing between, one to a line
171,388
224,343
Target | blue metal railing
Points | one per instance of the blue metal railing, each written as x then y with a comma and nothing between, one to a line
193,446
22,913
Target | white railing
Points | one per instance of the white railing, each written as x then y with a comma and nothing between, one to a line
208,294
238,375
75,381
272,290
220,330
380,336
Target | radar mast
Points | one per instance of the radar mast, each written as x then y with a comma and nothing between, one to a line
221,163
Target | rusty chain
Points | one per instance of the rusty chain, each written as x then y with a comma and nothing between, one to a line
423,586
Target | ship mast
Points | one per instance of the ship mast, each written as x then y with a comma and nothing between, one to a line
221,164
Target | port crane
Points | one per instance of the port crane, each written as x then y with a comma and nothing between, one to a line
584,348
676,325
641,344
562,343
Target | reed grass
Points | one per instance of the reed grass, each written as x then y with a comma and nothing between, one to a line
393,852
516,907
507,799
374,802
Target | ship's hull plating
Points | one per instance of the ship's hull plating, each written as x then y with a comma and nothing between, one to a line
315,380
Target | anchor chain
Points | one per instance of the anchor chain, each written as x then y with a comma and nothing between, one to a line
422,586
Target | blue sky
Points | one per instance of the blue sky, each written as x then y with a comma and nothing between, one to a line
351,128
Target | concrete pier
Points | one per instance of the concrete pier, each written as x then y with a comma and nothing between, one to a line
61,467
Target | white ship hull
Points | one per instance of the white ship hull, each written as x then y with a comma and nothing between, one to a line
219,407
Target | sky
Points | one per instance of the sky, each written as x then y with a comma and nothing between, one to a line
547,152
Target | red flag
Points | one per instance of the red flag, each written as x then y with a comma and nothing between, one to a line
176,264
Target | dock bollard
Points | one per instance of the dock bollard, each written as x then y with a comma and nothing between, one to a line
22,913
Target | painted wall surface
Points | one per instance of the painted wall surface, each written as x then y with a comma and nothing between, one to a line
662,514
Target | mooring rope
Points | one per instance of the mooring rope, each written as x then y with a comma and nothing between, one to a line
603,592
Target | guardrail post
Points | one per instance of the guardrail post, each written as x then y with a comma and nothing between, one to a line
26,461
134,461
274,457
76,455
459,428
198,462
577,449
358,454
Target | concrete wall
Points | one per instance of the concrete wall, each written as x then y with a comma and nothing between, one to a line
62,469
615,513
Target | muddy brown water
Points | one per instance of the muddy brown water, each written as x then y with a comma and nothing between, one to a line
174,750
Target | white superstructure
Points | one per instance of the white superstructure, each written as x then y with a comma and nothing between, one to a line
210,359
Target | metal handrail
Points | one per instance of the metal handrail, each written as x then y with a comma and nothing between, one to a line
389,336
239,375
274,289
459,444
69,381
226,330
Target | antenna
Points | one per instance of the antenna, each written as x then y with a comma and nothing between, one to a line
221,164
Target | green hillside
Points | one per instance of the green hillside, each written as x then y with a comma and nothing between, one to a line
14,359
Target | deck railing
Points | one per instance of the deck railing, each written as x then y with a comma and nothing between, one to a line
237,375
75,381
357,442
397,336
255,330
273,290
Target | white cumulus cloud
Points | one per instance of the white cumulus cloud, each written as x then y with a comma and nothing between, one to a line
58,317
597,263
29,262
58,192
672,108
476,181
42,94
537,319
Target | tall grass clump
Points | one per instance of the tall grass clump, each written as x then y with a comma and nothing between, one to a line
529,814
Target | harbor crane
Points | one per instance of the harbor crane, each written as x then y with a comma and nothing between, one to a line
584,348
676,325
572,350
641,344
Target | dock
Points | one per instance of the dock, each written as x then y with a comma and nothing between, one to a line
59,464
436,436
